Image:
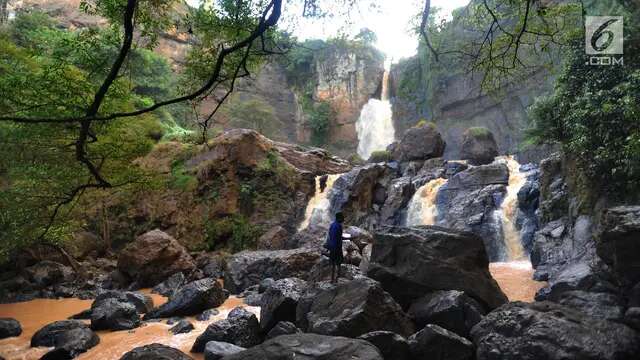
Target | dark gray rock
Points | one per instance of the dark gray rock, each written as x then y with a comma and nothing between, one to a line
170,287
283,328
350,308
391,345
207,314
216,350
47,273
73,337
434,342
174,320
360,237
321,271
9,327
399,193
265,284
632,318
310,347
452,310
618,243
420,143
478,146
412,262
545,330
212,265
182,327
143,303
192,299
113,314
249,268
279,302
274,239
155,352
240,328
82,315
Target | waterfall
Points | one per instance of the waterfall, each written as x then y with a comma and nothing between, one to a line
422,209
375,124
509,207
317,211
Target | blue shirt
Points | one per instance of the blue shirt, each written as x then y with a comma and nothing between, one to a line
334,241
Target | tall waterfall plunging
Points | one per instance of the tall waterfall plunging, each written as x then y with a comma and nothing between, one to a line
422,209
317,211
509,207
375,124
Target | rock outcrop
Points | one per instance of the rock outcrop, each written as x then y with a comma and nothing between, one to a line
434,342
248,268
412,262
618,243
546,330
153,257
391,345
350,308
478,146
279,302
420,142
452,310
311,347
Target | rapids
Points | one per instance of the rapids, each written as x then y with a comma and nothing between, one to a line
35,314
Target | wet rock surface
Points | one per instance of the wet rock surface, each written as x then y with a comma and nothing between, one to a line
113,314
452,310
350,308
391,345
71,337
435,342
215,350
283,328
311,347
191,299
240,328
412,262
551,331
9,327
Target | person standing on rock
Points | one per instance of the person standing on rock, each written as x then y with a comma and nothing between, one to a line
334,245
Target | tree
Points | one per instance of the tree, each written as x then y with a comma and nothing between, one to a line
367,36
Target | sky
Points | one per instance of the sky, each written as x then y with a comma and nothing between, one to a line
391,20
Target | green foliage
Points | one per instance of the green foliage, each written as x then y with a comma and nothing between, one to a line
181,178
380,156
255,114
594,113
234,233
366,36
425,122
320,115
355,159
478,132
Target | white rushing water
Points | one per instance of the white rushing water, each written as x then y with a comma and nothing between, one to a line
375,124
509,207
422,209
317,211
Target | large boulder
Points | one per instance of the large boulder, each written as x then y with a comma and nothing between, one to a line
283,328
248,268
155,352
478,146
412,262
310,347
279,302
619,243
274,239
70,337
434,342
240,328
545,330
46,273
350,308
143,303
170,286
450,309
391,345
191,299
9,328
153,257
112,314
420,142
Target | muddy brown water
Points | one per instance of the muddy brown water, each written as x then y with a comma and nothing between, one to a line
514,279
35,314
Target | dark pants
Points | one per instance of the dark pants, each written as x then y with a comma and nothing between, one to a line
335,257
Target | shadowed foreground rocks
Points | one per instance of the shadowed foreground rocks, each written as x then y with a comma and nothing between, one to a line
155,352
545,330
69,338
192,299
310,347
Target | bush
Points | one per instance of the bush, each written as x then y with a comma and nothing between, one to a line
380,156
424,122
478,132
234,233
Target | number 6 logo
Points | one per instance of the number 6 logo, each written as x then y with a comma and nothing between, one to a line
604,35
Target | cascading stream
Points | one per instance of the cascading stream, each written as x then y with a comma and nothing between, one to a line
509,207
317,211
422,209
375,124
